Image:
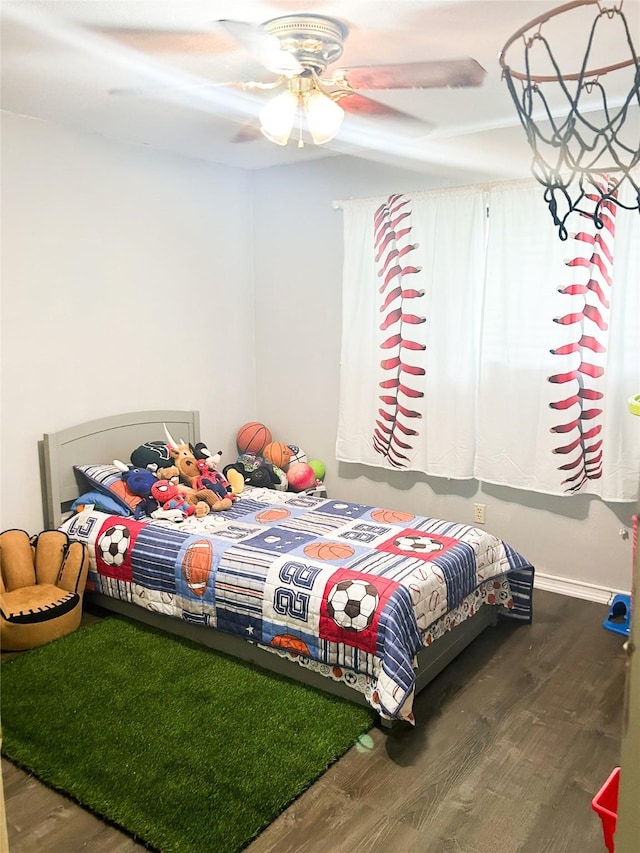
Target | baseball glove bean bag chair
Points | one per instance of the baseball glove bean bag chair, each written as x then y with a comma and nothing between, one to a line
41,587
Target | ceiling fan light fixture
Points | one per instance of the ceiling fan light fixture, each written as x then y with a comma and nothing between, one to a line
277,117
324,116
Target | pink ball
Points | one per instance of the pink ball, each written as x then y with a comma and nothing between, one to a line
300,476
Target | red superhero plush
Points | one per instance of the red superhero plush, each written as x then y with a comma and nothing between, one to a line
213,480
171,498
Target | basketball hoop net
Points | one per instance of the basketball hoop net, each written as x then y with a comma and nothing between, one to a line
585,144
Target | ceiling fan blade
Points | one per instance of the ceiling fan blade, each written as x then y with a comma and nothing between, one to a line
359,105
265,48
167,90
413,75
165,41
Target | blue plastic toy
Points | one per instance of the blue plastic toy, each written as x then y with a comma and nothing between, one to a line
619,618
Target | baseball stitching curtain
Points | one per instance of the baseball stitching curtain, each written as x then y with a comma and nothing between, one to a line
475,343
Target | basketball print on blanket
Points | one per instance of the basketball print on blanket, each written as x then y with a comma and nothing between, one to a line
329,551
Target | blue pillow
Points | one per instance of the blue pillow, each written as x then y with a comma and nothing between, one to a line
101,502
107,479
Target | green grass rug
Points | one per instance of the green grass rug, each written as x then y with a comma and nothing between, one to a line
184,748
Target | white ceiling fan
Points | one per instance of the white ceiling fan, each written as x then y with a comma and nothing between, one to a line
298,53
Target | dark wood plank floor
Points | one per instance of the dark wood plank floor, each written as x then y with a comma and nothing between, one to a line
512,741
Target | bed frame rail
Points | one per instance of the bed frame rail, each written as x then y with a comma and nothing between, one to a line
431,660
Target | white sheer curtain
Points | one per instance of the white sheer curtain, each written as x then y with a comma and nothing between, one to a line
505,307
449,270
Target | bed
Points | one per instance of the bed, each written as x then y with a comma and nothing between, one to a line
362,601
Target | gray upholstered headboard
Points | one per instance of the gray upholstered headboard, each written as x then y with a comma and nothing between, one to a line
101,441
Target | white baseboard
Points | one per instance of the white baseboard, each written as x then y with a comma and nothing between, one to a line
576,589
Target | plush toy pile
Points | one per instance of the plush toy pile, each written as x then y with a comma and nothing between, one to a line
273,464
174,480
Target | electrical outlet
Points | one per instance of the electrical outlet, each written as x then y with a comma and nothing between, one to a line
478,513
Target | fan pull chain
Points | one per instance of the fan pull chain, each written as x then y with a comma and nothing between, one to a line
300,139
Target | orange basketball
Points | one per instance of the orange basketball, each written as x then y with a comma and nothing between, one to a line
328,551
277,453
252,437
392,516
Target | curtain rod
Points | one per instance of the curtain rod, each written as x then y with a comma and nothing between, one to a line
338,204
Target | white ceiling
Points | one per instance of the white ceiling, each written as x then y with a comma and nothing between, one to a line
56,66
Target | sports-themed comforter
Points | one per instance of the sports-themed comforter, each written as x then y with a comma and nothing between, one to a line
342,587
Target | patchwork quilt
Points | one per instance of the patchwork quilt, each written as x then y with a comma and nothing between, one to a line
343,587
